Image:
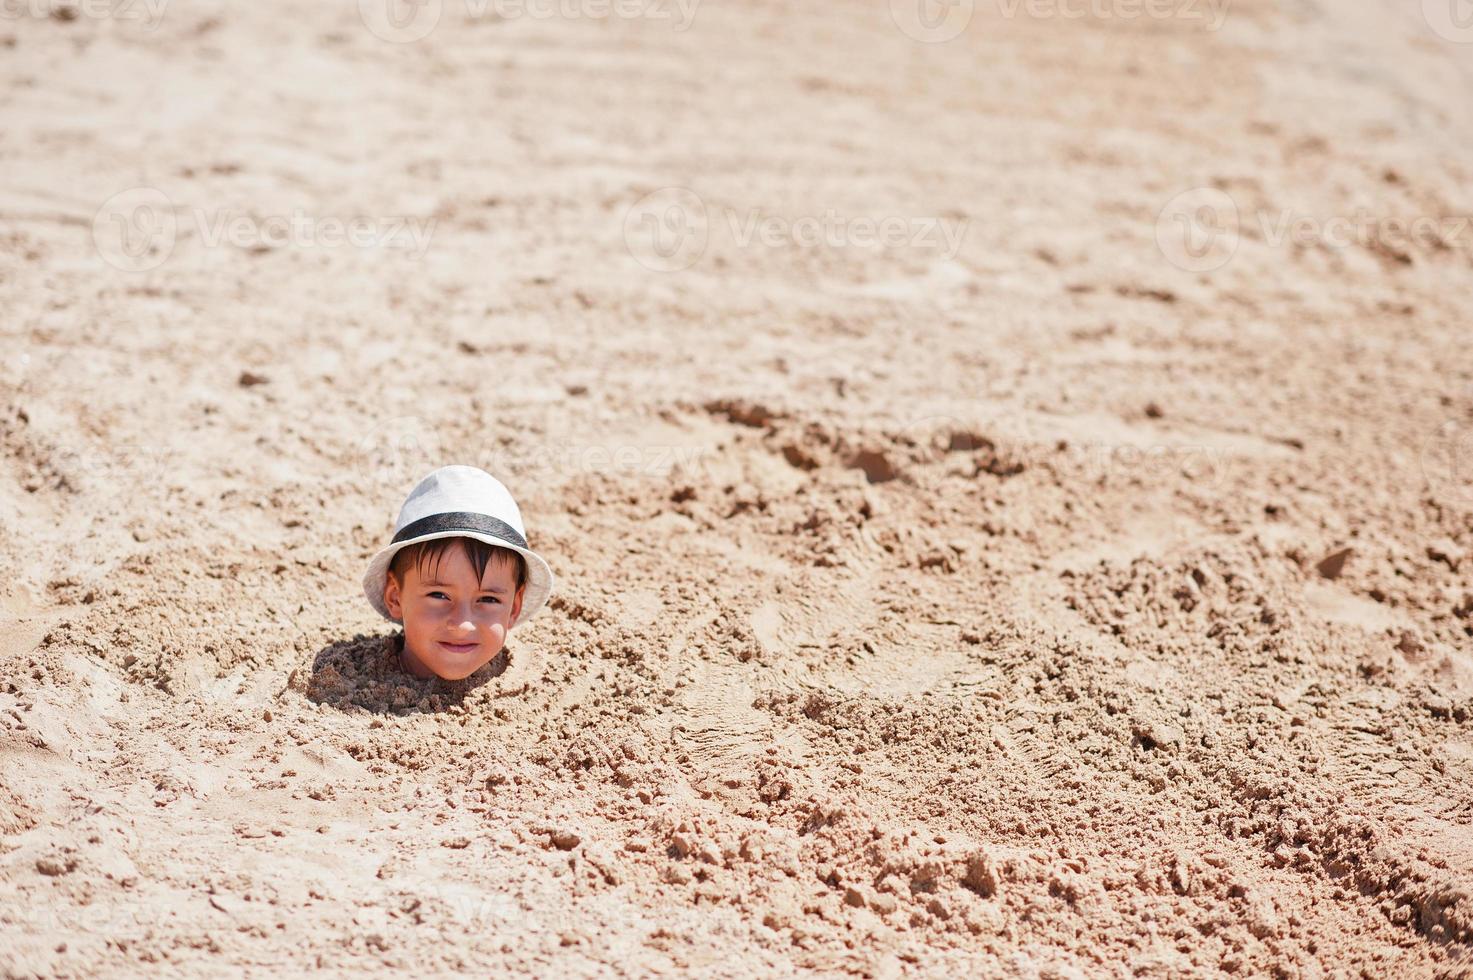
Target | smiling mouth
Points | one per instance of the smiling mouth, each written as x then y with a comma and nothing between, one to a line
459,647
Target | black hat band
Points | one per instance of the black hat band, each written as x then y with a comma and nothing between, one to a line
460,521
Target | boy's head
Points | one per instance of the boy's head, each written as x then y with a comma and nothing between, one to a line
457,599
458,573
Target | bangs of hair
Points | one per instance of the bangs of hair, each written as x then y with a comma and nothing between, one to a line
479,552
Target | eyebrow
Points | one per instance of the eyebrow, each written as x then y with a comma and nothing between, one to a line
437,582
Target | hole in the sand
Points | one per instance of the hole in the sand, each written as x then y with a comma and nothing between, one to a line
875,464
966,441
364,673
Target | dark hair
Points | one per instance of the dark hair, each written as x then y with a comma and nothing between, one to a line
479,552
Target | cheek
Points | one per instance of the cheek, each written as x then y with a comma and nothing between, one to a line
418,614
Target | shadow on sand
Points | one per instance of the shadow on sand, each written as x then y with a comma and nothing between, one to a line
363,674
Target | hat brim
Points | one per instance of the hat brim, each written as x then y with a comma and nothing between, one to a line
539,575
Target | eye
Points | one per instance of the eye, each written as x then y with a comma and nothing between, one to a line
489,598
437,595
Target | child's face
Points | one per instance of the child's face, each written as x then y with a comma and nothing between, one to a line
453,625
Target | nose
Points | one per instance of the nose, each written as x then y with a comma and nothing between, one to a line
462,618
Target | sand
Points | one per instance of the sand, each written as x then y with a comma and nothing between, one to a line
1011,495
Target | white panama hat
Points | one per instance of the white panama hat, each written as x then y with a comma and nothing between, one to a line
456,502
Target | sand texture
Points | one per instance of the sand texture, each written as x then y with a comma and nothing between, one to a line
1031,593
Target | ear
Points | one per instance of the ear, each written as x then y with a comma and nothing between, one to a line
516,606
392,599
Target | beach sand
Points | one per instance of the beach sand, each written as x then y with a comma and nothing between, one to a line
1011,493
